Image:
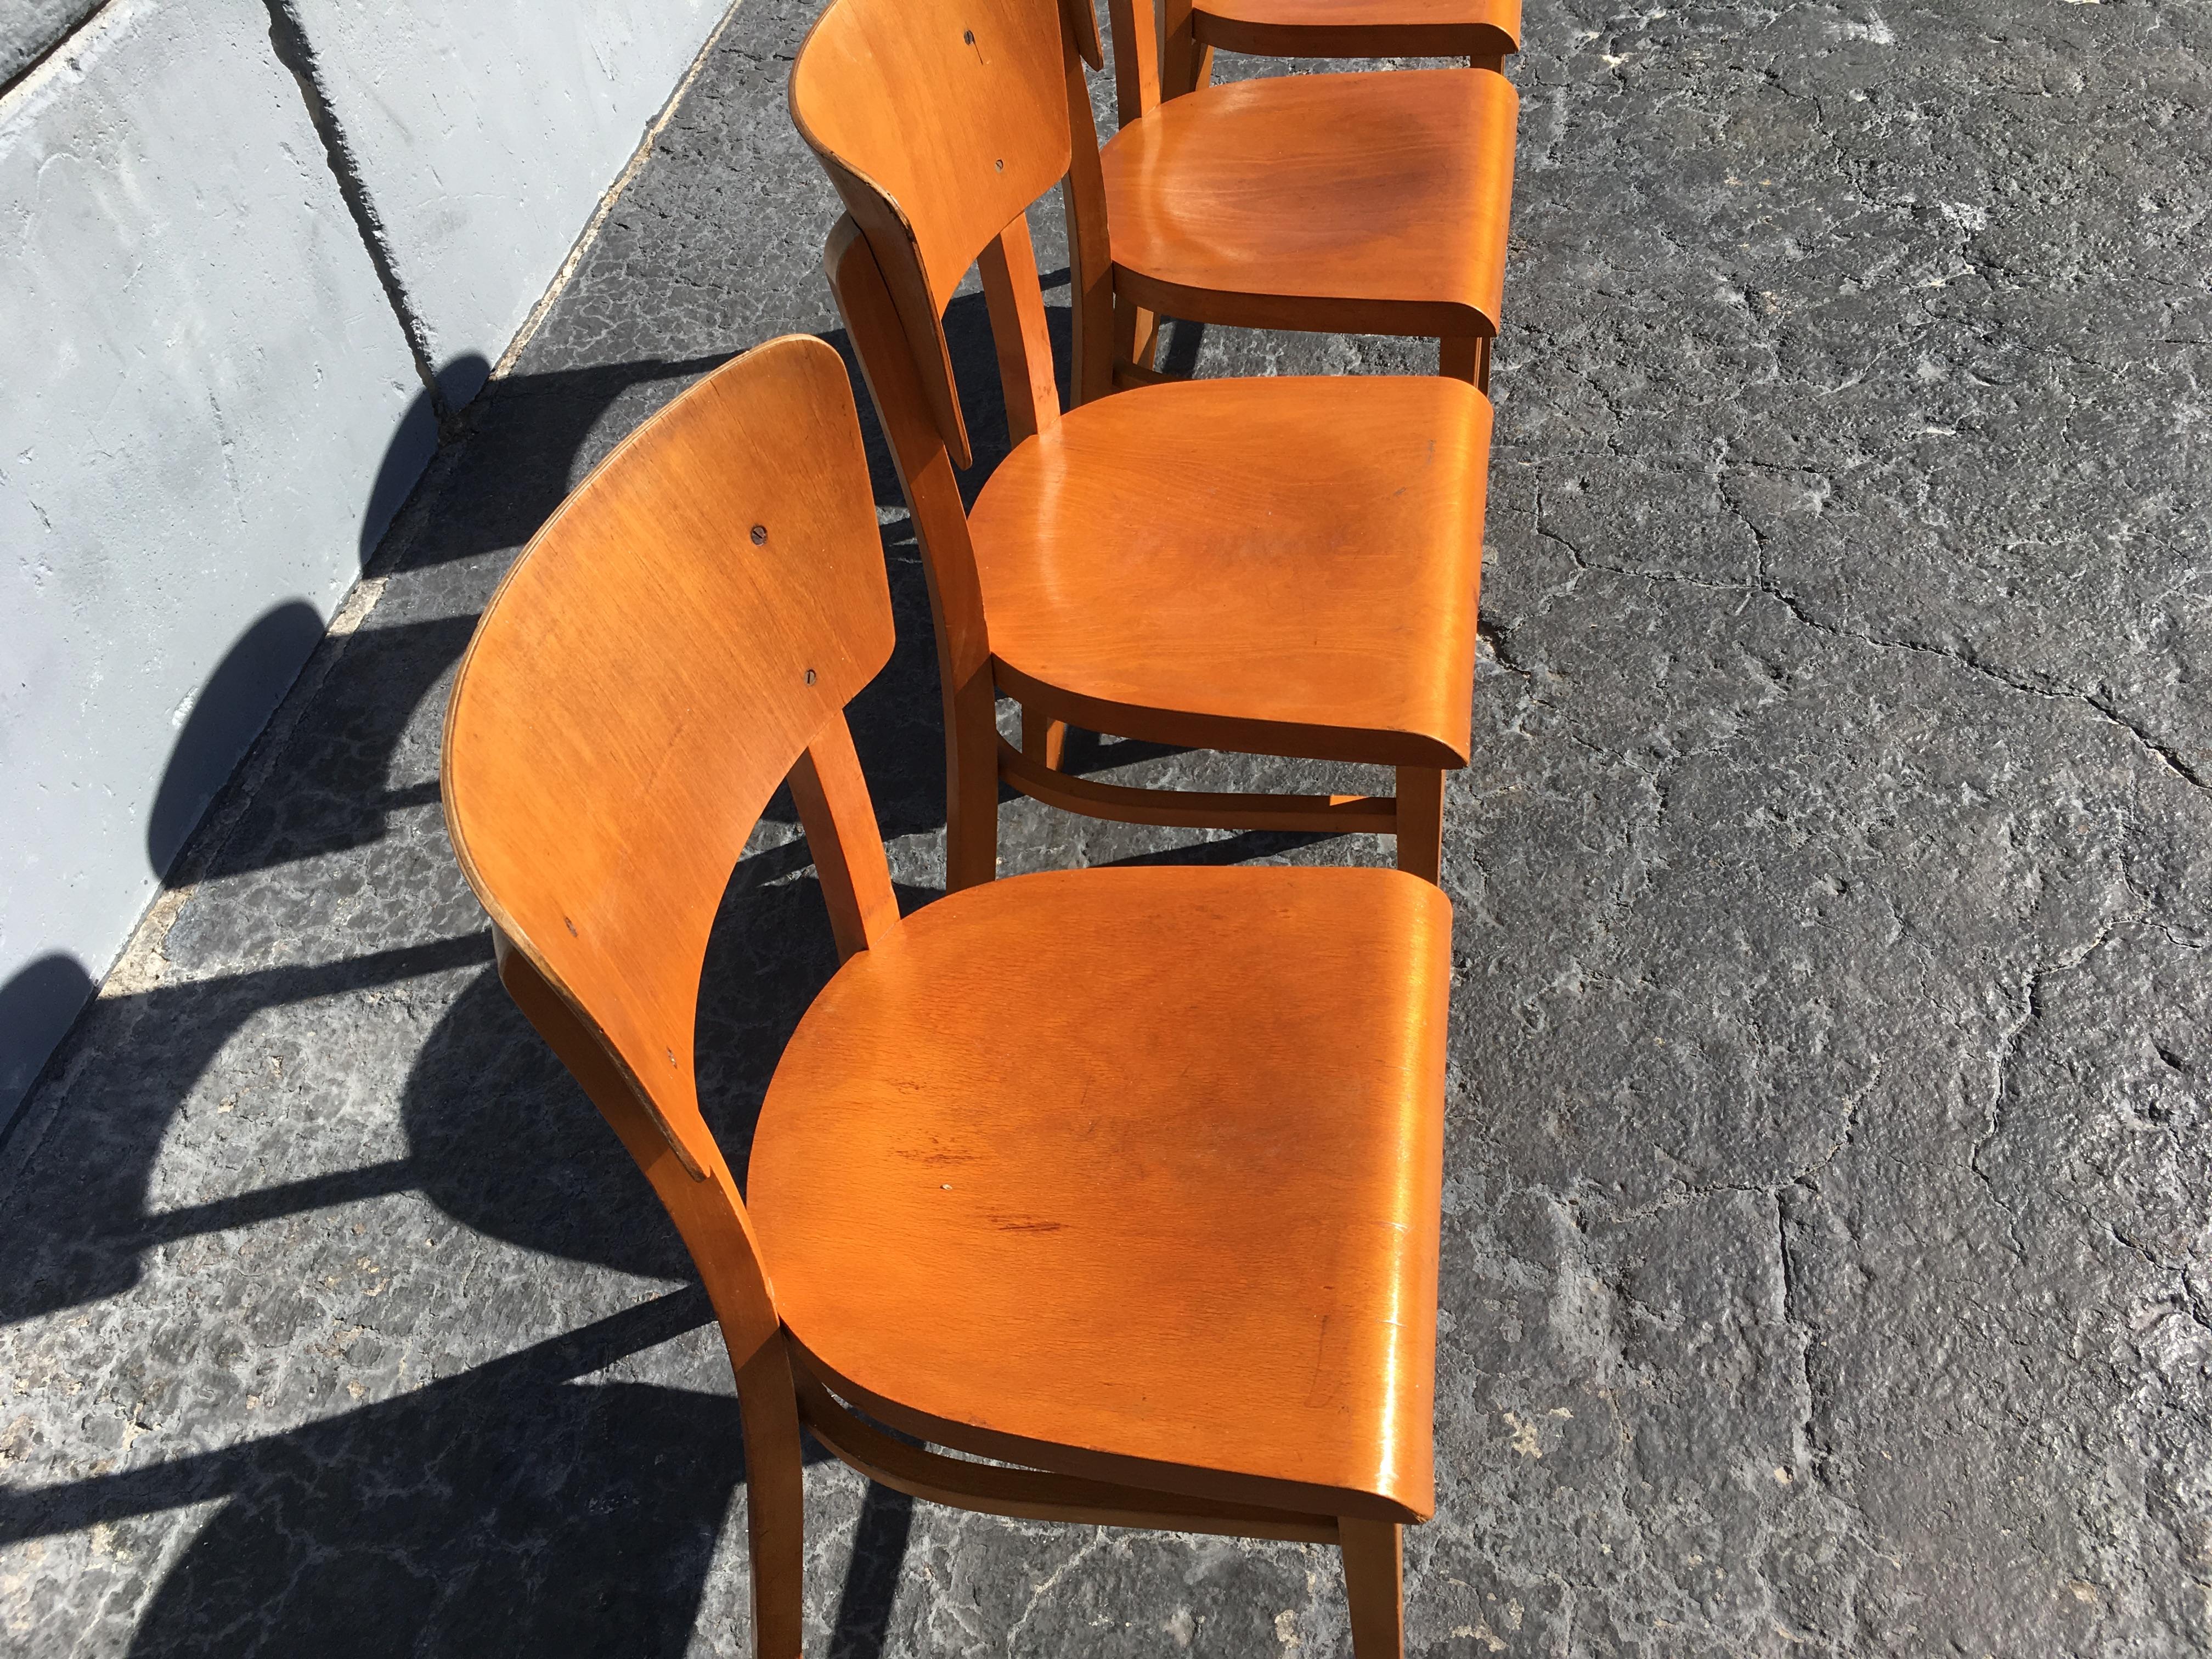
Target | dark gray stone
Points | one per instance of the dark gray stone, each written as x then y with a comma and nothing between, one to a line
1826,1246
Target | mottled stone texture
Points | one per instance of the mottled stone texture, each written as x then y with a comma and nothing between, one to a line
1825,1240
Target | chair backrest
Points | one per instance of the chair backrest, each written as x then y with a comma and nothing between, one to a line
683,633
939,122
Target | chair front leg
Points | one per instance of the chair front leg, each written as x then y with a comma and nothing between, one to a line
1374,1573
1421,822
776,1499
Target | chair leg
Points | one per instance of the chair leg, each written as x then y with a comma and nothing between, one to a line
1421,822
1461,359
971,784
1374,1572
775,1500
1136,334
1044,741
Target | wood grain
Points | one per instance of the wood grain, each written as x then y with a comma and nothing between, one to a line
1355,203
1180,1231
1284,566
1361,28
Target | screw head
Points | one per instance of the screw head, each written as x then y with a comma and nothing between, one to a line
810,677
1000,164
760,534
967,37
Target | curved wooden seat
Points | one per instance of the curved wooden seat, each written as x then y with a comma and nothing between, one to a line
1360,204
1168,1235
1278,565
1486,29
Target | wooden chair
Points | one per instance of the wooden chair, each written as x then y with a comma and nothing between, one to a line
1343,203
1127,1179
1283,566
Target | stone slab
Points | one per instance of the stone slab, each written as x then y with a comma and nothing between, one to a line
485,135
205,383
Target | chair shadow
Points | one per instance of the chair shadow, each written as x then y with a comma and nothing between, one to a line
501,1508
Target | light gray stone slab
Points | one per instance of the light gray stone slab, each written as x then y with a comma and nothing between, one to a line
204,382
484,136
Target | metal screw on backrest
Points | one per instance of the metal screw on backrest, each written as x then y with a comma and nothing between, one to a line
760,534
1000,165
810,677
967,37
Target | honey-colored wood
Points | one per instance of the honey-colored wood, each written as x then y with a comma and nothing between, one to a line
970,128
1044,740
1171,1248
1354,204
1083,210
956,600
1310,588
1486,29
671,521
832,797
1312,591
1192,809
1313,594
1032,1494
1373,1574
1081,20
1136,58
1015,302
1143,1253
1360,204
1421,822
1186,61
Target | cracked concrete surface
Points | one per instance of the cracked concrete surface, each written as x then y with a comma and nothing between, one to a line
1827,1233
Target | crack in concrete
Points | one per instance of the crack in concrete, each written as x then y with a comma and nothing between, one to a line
288,38
2009,1049
1964,656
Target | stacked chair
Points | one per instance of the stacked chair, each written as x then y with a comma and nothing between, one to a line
1282,566
1110,1195
1350,203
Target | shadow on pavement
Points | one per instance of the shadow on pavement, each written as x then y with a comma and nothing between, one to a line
501,1509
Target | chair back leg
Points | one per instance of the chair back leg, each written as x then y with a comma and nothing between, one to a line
1421,822
1374,1570
776,1499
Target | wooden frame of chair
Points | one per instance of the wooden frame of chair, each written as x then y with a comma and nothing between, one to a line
596,808
1483,32
892,317
1163,50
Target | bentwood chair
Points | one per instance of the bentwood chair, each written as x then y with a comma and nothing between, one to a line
1164,1247
1284,567
1342,204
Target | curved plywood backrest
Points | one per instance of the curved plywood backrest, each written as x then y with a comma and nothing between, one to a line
938,121
693,617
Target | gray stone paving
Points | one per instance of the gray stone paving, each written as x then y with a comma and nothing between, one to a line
1826,1238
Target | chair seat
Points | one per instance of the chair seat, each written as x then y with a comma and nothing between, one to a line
1132,1174
1358,203
1288,566
1329,28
